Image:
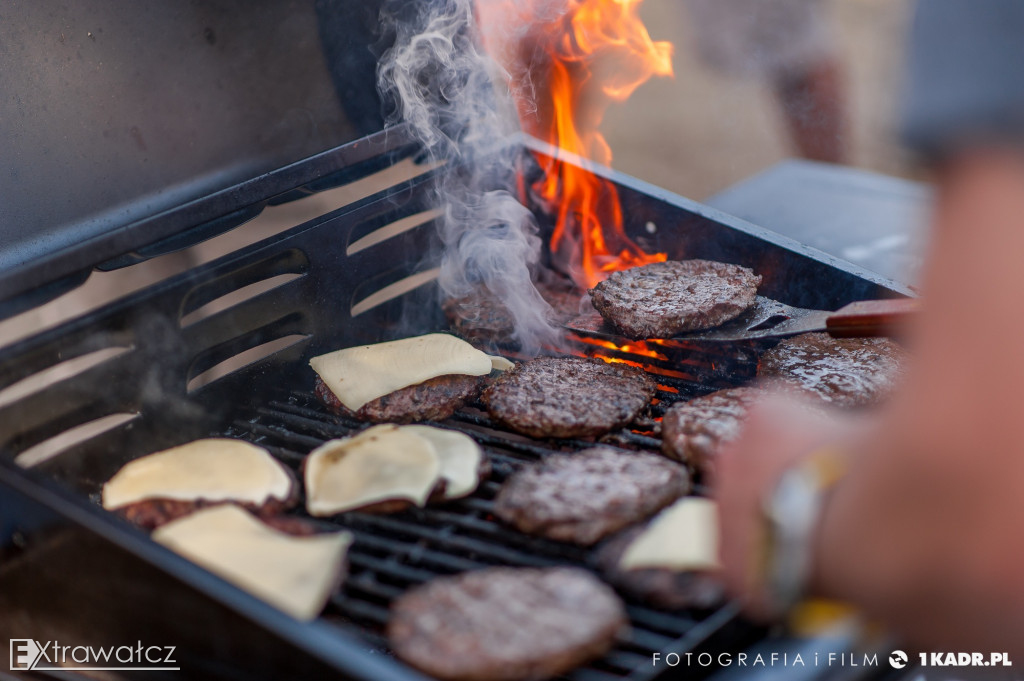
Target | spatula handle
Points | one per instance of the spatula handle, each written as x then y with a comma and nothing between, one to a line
872,318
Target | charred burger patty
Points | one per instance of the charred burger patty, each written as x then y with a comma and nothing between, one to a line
846,372
568,396
505,624
586,496
432,400
692,431
665,299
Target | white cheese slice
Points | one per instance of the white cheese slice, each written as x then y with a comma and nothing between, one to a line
683,537
362,374
382,463
214,469
499,363
460,458
294,574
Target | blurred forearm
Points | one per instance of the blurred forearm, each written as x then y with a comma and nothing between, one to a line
926,530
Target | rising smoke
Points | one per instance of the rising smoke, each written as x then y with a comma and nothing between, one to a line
441,83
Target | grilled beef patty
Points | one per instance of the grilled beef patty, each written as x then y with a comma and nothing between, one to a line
568,396
505,624
659,587
482,318
665,299
693,431
150,514
432,400
586,496
845,372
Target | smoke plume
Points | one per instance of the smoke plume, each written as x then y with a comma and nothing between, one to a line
441,83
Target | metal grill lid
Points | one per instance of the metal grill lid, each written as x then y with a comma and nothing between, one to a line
140,128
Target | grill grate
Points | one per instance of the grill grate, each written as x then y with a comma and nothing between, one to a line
394,552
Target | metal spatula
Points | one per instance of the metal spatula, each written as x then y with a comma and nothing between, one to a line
770,319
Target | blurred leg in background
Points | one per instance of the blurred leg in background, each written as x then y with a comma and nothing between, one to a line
790,45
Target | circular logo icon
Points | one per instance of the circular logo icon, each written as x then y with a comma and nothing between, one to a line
898,659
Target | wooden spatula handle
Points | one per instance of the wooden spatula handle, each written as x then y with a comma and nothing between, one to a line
872,318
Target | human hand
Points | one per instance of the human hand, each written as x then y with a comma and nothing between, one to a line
778,433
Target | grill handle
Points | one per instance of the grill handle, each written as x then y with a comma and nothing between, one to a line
866,318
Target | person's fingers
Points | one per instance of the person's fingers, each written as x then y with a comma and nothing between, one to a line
777,433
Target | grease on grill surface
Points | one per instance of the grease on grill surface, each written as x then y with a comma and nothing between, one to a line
505,624
568,396
586,496
666,299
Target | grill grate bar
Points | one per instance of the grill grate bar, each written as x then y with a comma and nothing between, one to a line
445,561
396,570
360,609
370,585
498,554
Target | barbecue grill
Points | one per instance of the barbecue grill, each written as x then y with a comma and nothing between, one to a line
221,350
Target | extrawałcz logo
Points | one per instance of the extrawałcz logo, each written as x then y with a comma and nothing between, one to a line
28,654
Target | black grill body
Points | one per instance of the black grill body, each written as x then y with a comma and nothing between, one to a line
360,274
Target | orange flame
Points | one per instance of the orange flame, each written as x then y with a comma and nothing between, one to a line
638,348
594,53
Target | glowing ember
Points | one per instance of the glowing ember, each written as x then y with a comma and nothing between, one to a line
637,348
574,58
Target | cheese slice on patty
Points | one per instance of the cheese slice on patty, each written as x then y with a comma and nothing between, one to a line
362,374
383,463
215,469
294,574
683,537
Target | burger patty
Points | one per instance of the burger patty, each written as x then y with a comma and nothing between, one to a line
586,496
432,400
666,299
846,372
568,396
659,587
505,624
150,514
482,318
693,431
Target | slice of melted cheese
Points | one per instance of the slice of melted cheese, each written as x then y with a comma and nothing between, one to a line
460,458
383,463
683,537
294,574
216,469
362,374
